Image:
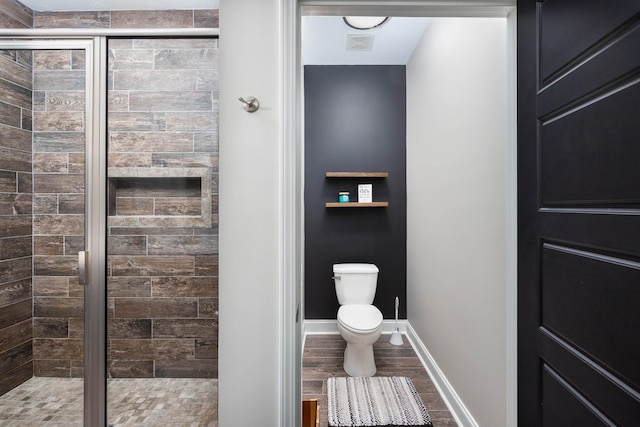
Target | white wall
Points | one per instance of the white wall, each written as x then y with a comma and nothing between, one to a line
457,207
250,216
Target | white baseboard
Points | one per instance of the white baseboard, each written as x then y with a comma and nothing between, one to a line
454,403
316,327
457,408
330,326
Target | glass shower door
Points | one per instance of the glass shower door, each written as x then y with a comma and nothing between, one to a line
143,210
162,234
43,134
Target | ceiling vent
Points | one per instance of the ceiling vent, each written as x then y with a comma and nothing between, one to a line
359,42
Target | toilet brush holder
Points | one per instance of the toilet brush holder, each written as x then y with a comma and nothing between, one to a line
396,336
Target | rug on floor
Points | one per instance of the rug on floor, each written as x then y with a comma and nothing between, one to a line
374,401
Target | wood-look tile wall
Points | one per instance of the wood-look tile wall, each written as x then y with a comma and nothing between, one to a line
163,297
16,332
206,18
163,282
58,220
14,14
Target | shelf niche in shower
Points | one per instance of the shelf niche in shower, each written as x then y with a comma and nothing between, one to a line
159,197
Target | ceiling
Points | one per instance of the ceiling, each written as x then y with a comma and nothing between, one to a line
80,5
324,41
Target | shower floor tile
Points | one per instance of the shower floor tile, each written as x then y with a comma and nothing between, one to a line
53,402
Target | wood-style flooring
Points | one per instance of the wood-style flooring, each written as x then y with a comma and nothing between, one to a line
323,357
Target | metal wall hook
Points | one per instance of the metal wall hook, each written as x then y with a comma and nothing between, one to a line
250,105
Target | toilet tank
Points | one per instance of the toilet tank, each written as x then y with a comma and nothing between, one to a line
355,283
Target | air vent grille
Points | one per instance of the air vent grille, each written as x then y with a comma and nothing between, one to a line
359,42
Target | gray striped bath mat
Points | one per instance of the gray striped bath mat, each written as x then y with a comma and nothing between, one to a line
375,401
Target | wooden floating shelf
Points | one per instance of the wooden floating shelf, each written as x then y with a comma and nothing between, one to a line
356,205
357,174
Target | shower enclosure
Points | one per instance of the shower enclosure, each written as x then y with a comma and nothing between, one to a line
108,229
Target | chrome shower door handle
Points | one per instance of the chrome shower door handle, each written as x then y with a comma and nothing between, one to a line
83,261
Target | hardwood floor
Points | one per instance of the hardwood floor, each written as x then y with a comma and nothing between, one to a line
323,357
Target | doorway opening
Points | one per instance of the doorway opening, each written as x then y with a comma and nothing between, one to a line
460,195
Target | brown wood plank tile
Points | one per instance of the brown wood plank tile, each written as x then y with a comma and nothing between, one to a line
15,313
15,377
75,19
201,368
14,335
185,286
152,19
131,368
13,292
129,286
17,14
129,328
15,357
206,18
54,348
150,308
18,203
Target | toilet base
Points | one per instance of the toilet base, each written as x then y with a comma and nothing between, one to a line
358,360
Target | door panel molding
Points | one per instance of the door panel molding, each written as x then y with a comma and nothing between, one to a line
559,396
590,378
574,286
564,41
593,76
578,212
567,225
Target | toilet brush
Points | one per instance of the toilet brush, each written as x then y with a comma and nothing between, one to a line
396,336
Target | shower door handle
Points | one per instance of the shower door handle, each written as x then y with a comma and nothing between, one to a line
83,260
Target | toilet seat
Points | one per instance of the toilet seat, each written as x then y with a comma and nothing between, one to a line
360,318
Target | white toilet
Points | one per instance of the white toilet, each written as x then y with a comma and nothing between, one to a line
359,322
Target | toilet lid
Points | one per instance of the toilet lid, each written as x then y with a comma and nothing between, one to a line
360,317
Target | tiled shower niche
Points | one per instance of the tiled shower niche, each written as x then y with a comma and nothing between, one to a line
160,197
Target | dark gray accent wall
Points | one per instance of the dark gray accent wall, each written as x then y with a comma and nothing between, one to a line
355,120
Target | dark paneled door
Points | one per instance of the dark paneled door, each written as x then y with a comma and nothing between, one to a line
579,212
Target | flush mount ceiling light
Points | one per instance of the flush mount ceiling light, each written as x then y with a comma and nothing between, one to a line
365,22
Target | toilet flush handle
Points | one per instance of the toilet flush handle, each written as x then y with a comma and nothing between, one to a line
336,277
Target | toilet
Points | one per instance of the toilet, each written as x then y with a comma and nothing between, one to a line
359,322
